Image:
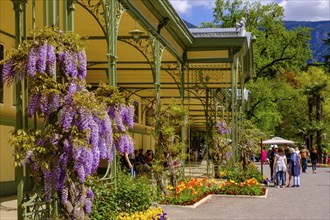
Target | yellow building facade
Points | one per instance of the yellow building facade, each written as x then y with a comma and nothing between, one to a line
144,48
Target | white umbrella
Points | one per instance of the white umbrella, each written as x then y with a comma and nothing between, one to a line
277,140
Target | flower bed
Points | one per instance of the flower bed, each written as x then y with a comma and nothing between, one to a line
191,191
151,213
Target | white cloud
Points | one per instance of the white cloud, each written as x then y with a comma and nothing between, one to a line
303,10
297,10
187,6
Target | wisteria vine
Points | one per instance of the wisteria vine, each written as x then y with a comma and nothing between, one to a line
220,147
79,127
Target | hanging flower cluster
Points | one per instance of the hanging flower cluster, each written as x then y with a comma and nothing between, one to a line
223,128
220,146
80,127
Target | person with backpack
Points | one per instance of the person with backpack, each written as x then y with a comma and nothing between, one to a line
304,159
314,158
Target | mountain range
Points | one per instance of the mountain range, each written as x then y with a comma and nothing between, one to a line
319,33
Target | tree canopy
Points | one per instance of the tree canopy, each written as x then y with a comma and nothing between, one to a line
276,49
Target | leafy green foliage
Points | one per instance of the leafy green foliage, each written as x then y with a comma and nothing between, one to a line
276,49
131,195
249,141
248,187
169,147
234,171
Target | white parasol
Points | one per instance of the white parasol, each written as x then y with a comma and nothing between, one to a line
277,140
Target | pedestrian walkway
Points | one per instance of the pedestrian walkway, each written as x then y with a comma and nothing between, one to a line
8,207
310,201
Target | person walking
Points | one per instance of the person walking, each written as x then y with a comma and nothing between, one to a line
289,167
280,165
271,158
314,158
304,159
263,155
295,167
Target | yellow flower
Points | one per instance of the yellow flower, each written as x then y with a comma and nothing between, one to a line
169,187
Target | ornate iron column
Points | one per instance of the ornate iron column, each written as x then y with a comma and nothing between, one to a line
112,11
157,50
70,10
233,126
183,131
19,8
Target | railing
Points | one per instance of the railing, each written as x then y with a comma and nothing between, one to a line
34,207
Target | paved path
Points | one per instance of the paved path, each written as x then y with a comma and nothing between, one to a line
310,201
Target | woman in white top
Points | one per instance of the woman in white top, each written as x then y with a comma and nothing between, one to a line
280,167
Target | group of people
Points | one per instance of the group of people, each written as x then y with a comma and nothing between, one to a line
137,161
285,164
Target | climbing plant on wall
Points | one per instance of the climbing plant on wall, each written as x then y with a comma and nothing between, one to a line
79,127
169,146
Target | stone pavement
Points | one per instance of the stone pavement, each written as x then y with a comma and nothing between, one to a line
8,207
310,201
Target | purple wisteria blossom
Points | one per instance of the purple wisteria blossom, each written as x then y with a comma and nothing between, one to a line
72,88
69,65
110,154
64,196
102,148
119,119
84,119
222,128
112,112
55,101
124,144
90,194
51,61
47,184
7,71
33,104
42,58
66,117
32,62
128,115
82,64
56,174
94,134
88,206
96,158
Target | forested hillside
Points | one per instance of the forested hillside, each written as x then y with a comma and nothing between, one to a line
318,33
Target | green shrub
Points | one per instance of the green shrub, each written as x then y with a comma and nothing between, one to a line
130,196
133,195
104,203
234,171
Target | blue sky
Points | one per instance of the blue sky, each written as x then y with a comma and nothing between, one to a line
197,11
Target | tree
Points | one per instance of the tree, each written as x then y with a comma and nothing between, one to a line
315,84
276,49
